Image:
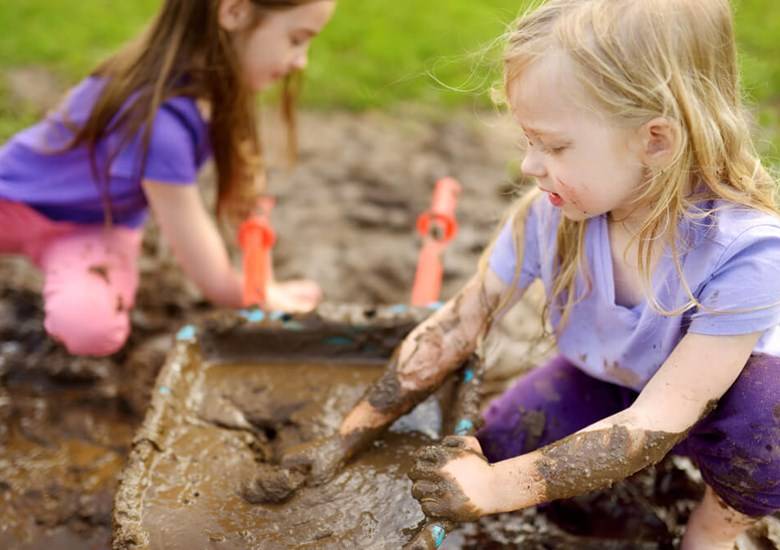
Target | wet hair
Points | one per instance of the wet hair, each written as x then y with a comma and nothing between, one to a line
638,60
185,52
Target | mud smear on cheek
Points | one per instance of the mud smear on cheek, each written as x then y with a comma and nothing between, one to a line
570,195
593,460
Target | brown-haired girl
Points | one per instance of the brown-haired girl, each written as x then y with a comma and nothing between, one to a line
75,188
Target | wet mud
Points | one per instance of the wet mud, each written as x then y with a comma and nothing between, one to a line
61,449
364,177
238,422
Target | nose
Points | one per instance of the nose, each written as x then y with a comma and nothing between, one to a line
533,165
301,61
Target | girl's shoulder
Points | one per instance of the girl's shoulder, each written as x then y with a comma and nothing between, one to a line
731,224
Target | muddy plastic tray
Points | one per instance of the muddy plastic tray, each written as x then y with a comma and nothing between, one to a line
237,390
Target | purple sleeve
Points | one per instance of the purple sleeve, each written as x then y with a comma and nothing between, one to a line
743,293
503,260
173,149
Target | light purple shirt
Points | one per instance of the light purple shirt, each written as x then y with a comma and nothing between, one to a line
61,185
732,263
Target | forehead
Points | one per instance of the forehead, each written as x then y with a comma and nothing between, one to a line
309,16
546,95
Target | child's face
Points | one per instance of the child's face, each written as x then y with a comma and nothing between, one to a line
587,166
279,45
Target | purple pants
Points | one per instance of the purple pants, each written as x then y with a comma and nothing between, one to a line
736,447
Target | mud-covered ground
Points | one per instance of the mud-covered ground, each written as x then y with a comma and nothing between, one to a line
345,217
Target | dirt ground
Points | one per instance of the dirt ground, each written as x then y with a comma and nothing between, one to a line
345,217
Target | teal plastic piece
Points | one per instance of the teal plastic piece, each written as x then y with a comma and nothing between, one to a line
186,333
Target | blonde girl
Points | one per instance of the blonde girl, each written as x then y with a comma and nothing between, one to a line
655,231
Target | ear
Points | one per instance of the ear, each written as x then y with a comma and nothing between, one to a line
234,15
659,139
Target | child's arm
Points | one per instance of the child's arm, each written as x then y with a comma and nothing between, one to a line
455,481
192,235
427,355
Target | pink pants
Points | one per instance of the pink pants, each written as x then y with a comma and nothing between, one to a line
90,276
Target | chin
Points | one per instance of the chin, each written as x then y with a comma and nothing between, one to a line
577,215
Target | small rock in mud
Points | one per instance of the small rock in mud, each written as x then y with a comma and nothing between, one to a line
272,484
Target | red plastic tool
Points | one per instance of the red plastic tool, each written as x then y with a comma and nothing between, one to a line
437,227
257,237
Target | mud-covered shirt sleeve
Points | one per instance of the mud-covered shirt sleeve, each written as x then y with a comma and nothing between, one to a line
743,293
503,259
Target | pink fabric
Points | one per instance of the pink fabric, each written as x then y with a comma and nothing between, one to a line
90,276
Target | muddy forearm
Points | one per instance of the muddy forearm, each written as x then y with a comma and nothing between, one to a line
425,358
383,403
583,462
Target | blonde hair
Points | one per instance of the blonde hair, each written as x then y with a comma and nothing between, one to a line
638,60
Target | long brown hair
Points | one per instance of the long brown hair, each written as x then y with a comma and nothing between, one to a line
185,52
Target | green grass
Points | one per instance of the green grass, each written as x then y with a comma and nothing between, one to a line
375,53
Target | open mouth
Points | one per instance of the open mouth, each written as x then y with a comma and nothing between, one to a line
555,199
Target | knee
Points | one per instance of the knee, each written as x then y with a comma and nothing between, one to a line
87,320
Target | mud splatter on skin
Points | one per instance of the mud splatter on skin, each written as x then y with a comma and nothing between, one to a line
594,460
439,494
572,196
440,343
101,271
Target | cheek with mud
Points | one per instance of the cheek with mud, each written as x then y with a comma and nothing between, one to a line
571,195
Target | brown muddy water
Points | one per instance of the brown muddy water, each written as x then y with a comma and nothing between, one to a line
247,414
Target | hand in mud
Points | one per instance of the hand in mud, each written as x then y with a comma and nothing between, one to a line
453,480
319,460
296,296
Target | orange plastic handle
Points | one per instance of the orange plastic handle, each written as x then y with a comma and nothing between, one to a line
257,237
439,222
437,227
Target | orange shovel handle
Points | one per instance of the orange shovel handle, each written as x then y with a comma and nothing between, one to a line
257,237
437,228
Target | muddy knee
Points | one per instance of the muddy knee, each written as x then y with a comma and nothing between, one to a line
87,320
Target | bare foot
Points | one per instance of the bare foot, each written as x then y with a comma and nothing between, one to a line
714,525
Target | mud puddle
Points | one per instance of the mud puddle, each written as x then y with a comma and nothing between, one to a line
61,449
244,415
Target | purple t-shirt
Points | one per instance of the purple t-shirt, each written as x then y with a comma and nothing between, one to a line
732,267
60,184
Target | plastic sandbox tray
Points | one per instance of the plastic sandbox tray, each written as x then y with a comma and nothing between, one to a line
236,391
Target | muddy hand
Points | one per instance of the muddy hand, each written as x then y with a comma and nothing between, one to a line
453,481
319,460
